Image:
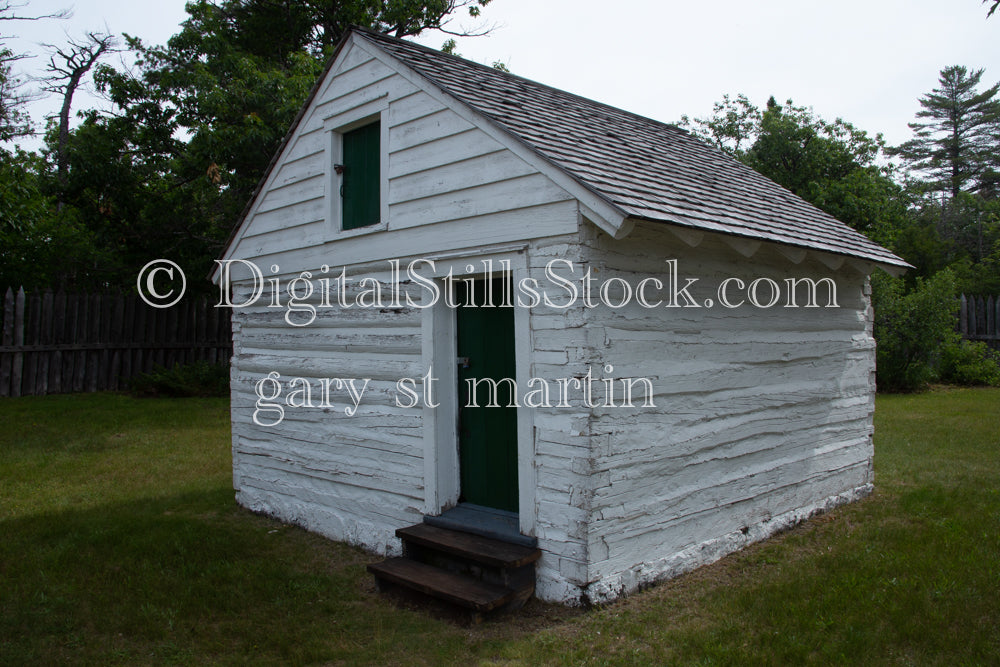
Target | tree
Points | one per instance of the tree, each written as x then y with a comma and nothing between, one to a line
14,122
236,74
195,123
833,165
733,126
67,67
958,146
39,246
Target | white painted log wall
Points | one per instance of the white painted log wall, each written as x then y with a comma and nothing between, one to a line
350,477
561,435
762,416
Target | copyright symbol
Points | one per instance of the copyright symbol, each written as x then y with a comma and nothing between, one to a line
146,283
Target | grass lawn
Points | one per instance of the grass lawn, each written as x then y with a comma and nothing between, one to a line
121,543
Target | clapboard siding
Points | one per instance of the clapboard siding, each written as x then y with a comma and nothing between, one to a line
423,130
304,189
366,74
355,515
441,169
453,148
429,240
459,175
336,427
304,144
350,59
294,215
288,239
327,339
658,482
516,193
308,163
701,531
406,108
302,458
759,412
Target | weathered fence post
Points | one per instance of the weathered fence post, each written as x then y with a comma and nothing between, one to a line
7,340
18,363
963,316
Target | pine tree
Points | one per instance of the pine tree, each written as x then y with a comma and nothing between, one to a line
958,146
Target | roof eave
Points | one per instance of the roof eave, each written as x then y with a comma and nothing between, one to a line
748,245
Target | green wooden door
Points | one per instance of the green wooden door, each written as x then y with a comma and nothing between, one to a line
487,435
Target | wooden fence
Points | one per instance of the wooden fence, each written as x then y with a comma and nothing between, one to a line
61,343
978,319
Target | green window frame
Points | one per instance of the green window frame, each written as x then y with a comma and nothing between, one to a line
361,178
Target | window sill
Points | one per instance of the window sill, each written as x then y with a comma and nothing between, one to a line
339,234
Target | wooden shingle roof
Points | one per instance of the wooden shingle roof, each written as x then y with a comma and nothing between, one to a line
643,168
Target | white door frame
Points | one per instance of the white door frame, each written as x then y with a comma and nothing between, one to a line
438,331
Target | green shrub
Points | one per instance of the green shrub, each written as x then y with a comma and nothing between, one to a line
198,379
916,338
911,328
969,363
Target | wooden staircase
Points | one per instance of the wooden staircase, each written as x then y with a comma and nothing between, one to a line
477,573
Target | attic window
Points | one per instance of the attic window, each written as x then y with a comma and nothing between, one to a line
360,171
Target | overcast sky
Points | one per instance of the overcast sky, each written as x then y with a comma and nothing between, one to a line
867,61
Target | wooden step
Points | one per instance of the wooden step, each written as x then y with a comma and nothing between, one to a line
485,521
466,545
442,584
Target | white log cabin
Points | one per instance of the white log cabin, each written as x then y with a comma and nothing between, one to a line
680,351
